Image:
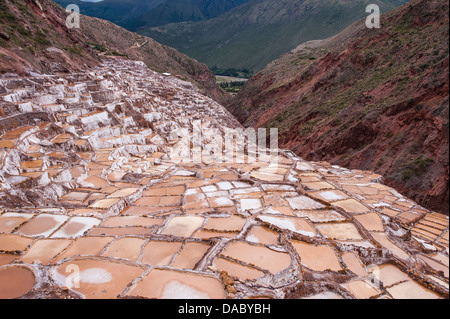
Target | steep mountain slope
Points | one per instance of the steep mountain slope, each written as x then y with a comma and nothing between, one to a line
259,31
34,37
183,10
370,99
119,12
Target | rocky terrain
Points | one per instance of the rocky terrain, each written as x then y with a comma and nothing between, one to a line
373,99
95,202
34,38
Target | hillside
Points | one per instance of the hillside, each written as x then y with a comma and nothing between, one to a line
259,31
171,11
34,37
367,99
120,12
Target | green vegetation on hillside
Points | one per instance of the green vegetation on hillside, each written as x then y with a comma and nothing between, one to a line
233,72
259,31
232,86
171,11
120,12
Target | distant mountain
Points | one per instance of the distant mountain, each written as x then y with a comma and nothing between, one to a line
34,38
135,14
370,99
183,10
259,31
120,12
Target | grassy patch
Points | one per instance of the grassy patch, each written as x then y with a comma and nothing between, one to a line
75,50
233,86
7,17
232,72
115,53
416,168
308,127
97,47
41,39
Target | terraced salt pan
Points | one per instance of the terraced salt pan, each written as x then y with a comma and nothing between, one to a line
233,223
15,281
43,225
262,235
325,295
125,248
351,206
250,203
225,186
353,262
9,221
131,221
75,196
190,255
13,243
85,246
76,227
304,202
277,187
388,274
123,193
44,250
339,231
329,196
294,224
105,203
220,202
321,216
382,239
237,270
362,289
260,256
183,226
371,221
304,166
318,185
267,176
166,284
6,259
279,211
411,290
160,253
317,258
98,279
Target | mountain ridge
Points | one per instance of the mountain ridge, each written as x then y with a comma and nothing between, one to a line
172,11
259,31
119,12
